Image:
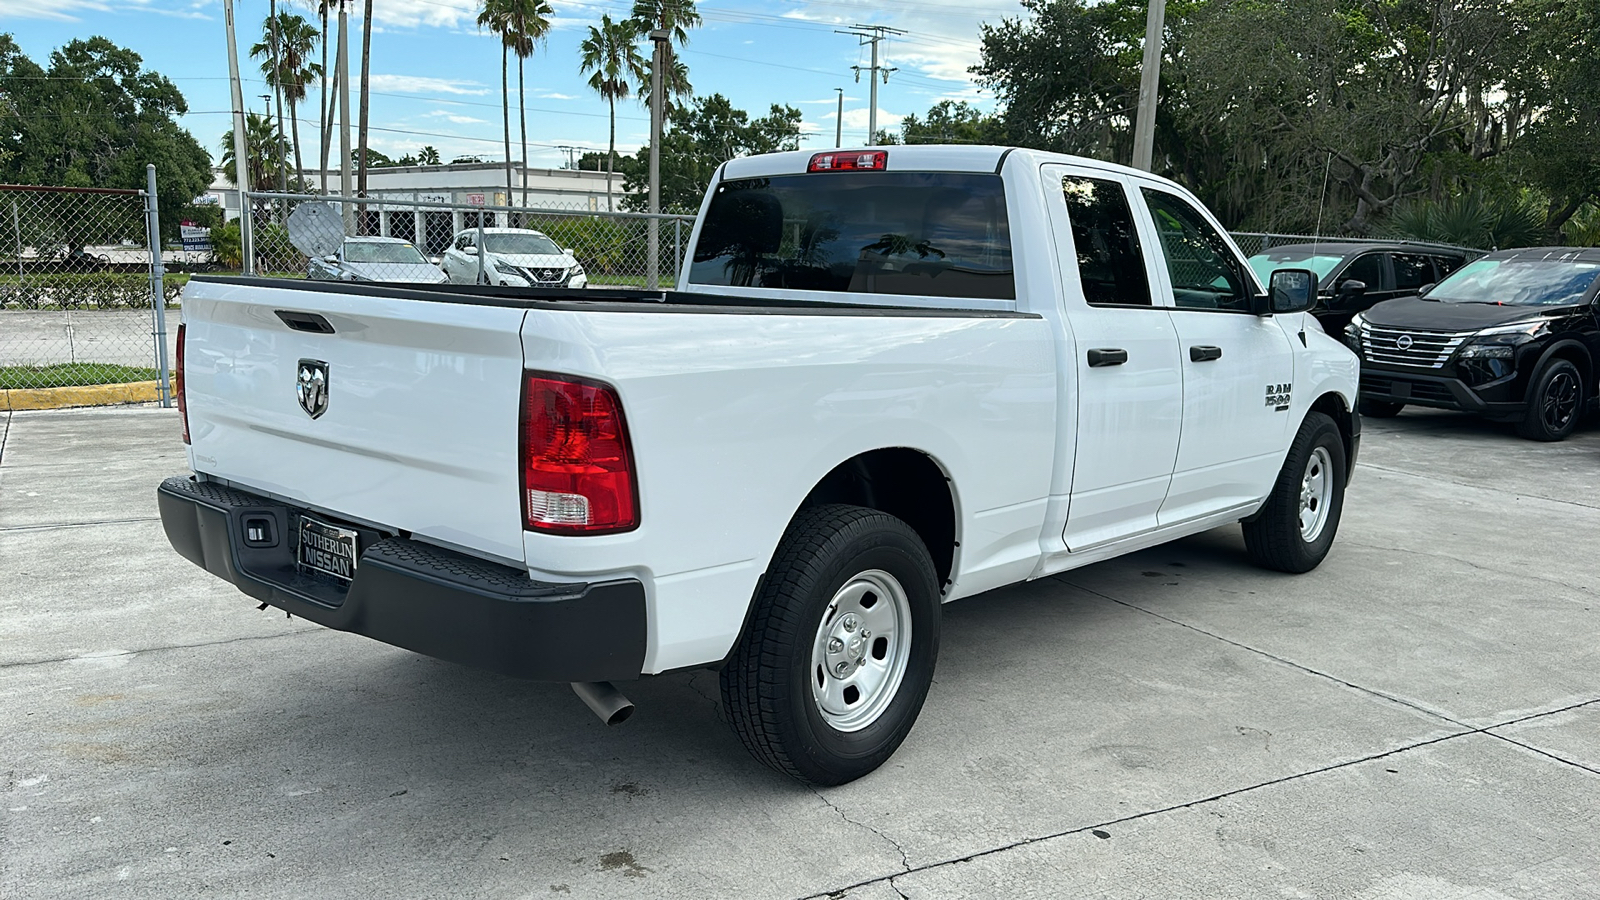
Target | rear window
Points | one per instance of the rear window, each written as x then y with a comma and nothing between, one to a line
935,234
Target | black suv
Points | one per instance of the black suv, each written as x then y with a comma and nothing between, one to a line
1514,336
1357,274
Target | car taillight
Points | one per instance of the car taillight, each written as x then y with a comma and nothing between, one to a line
849,160
177,387
577,470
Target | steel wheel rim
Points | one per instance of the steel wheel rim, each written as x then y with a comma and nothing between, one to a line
1560,401
1316,494
861,651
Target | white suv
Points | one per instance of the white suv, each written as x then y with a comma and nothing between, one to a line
512,257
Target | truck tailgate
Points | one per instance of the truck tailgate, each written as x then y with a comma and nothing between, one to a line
419,432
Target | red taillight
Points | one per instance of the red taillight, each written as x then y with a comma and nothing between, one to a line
849,160
177,387
577,471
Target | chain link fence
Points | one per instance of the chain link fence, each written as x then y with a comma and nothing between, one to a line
390,240
77,288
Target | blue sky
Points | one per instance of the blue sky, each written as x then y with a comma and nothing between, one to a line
436,78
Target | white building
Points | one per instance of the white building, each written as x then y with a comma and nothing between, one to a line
394,190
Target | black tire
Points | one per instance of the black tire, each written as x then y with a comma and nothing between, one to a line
1555,404
1274,538
1379,409
766,683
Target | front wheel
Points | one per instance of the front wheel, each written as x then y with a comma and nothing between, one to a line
836,661
1555,404
1294,530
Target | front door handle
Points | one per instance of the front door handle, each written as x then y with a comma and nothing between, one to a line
1107,356
1204,353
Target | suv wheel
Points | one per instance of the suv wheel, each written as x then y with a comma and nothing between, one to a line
836,661
1379,409
1294,530
1556,403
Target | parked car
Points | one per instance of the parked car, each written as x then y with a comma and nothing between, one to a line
513,257
1355,275
887,379
385,259
1514,336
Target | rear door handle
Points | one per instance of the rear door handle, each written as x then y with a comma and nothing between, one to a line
1107,356
1204,353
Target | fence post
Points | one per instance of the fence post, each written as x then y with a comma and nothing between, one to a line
158,298
677,250
247,236
481,249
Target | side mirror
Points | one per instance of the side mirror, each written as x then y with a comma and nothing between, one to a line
568,251
435,260
1292,290
1423,291
470,249
331,257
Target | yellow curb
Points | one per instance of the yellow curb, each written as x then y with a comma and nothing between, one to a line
96,395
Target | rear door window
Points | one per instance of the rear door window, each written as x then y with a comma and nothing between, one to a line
1367,269
1110,260
1411,272
935,234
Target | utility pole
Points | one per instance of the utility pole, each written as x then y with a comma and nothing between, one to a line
1144,127
241,150
838,124
872,34
660,37
277,94
345,189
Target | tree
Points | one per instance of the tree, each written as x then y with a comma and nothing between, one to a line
324,106
94,118
952,122
428,155
292,72
699,138
675,17
1558,152
495,16
361,128
266,148
611,53
528,24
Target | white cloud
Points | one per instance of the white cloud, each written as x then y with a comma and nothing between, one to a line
425,13
830,101
422,84
58,10
857,118
456,118
552,95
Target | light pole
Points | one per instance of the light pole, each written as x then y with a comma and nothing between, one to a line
838,124
1144,127
660,37
345,188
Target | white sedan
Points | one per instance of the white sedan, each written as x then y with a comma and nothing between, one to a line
375,259
514,257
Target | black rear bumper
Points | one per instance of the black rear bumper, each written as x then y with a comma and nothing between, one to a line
414,595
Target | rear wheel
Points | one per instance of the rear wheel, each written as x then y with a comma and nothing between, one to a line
832,670
1555,404
1295,529
1379,409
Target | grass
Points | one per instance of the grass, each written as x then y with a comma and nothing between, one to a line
71,375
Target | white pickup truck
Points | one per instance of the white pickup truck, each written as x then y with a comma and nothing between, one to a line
887,379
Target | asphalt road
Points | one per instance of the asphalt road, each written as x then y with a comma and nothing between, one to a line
1419,718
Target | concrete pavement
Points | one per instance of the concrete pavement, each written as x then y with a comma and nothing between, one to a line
1420,717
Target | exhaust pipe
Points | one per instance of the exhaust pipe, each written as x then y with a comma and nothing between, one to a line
604,701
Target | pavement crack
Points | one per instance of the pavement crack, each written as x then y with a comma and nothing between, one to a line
11,529
24,663
1272,656
716,710
905,861
1478,486
1470,564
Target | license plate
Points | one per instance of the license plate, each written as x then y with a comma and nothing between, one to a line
327,550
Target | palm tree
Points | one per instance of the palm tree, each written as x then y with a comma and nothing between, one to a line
324,110
611,52
528,24
264,146
366,60
294,71
675,81
428,155
675,17
494,16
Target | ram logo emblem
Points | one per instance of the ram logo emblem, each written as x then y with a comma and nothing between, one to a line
311,386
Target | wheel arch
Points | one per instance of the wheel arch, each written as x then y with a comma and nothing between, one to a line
1572,351
1343,413
905,483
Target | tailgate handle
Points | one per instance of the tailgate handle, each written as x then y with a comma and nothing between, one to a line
304,321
